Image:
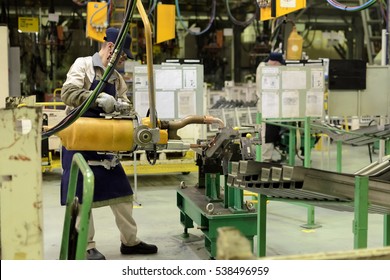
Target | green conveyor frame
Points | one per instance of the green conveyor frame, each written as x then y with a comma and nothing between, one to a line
310,224
360,222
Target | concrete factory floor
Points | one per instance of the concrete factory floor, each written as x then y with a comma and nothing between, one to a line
158,217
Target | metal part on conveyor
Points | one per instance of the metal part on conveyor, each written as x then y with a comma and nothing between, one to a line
219,142
276,173
358,137
321,188
376,168
249,167
265,174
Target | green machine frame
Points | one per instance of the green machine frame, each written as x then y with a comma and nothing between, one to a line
209,210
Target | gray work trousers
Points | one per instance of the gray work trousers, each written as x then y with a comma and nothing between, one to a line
123,213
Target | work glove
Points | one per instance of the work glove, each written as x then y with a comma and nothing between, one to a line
122,107
106,102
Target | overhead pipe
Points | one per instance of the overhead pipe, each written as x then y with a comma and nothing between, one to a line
174,126
149,61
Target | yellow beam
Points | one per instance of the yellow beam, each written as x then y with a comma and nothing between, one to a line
147,169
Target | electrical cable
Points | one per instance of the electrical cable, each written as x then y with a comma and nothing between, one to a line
212,17
276,31
241,23
97,11
152,8
308,42
79,111
343,7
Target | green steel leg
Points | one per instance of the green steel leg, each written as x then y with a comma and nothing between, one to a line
239,198
238,201
307,163
291,148
226,191
213,186
78,163
185,233
387,147
231,197
386,230
261,208
360,223
258,147
310,218
339,155
386,218
307,143
229,192
261,225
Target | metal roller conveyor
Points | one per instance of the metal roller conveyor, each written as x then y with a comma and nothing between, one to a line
318,187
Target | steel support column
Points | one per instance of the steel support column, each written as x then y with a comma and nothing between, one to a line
360,223
261,225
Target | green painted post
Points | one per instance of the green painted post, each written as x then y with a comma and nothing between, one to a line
360,223
261,225
231,197
228,191
225,193
238,199
212,182
386,218
310,215
211,185
208,185
339,155
310,218
307,164
307,143
258,134
387,147
291,148
386,230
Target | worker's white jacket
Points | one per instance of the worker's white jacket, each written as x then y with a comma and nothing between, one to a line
80,77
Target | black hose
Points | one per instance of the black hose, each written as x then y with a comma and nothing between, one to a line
79,111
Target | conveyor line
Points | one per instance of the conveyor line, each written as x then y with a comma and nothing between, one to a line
318,187
358,137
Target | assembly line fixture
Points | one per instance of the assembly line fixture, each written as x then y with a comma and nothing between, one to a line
210,205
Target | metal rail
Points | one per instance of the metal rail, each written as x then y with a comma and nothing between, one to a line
317,187
74,242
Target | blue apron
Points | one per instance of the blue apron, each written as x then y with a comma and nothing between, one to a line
109,183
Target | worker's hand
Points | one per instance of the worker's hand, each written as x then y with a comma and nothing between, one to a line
106,102
122,107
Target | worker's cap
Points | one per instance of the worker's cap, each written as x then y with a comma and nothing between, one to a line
112,34
274,56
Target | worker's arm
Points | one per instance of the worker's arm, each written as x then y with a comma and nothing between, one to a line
124,105
76,87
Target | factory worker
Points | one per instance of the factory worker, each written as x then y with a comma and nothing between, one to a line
112,186
271,133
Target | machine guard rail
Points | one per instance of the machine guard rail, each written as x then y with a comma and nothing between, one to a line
72,208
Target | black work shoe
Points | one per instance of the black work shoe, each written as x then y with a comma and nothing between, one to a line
141,248
93,254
